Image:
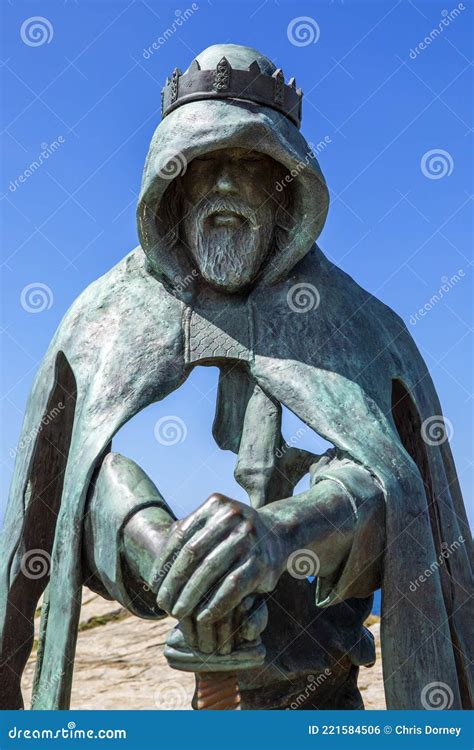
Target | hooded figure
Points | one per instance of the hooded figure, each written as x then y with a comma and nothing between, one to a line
296,332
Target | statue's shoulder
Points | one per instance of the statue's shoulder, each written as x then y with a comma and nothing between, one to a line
124,301
340,311
347,293
128,275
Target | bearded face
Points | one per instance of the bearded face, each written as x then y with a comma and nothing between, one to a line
229,211
228,240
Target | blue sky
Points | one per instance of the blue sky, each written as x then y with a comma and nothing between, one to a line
89,94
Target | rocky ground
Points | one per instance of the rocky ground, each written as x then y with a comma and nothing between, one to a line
120,664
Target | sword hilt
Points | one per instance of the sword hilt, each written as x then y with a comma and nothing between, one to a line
216,691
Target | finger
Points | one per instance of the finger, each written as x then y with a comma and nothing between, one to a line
236,585
165,559
188,559
240,615
182,531
211,570
255,622
207,637
188,629
224,630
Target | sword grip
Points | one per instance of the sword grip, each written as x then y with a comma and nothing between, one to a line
216,691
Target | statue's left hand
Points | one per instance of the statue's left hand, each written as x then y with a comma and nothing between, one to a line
214,558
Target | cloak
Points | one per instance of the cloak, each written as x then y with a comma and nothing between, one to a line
348,369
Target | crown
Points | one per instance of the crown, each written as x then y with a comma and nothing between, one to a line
226,82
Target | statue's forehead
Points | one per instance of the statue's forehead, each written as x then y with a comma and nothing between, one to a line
235,152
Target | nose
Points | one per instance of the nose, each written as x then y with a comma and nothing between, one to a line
226,183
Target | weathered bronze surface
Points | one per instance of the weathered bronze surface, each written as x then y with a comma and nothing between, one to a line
228,274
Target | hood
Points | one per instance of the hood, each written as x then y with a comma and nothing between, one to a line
202,126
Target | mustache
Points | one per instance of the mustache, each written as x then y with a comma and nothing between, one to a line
209,206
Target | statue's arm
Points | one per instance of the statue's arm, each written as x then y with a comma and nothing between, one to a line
125,526
340,524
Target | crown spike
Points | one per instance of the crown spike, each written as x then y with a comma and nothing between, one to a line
222,75
292,83
254,69
174,84
194,67
279,86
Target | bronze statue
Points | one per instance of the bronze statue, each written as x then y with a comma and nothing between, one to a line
228,273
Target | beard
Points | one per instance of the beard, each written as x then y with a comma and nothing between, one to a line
228,258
